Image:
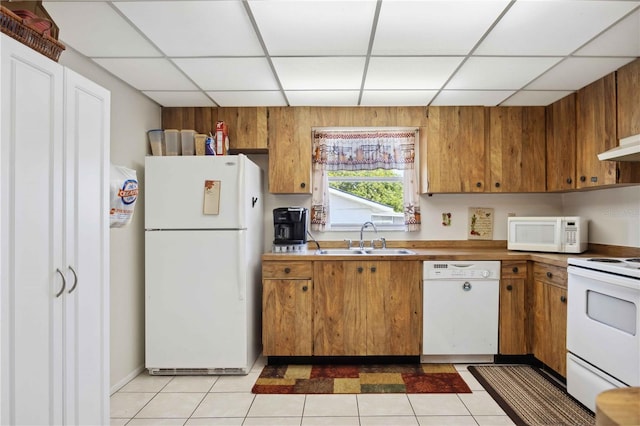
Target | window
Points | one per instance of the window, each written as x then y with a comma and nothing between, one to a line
364,175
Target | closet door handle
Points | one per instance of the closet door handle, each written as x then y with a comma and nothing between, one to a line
75,280
64,283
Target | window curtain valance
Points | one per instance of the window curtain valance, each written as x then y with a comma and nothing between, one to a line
363,150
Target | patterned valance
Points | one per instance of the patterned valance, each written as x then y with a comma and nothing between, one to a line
364,150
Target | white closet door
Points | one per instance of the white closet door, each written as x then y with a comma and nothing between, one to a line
87,251
31,236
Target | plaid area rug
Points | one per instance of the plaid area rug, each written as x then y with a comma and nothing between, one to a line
329,379
531,398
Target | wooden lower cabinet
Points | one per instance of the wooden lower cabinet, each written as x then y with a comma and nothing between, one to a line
550,316
367,308
512,337
287,309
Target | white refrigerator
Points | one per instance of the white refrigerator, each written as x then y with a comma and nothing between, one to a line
203,243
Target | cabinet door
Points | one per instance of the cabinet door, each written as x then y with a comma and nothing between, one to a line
455,149
87,110
550,327
628,93
513,317
287,308
596,132
517,149
561,144
289,150
247,128
31,237
394,308
339,302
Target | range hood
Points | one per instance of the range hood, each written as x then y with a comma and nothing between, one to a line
629,150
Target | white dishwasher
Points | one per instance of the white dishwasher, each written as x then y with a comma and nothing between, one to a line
460,311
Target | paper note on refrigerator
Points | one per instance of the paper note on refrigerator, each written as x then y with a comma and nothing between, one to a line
211,197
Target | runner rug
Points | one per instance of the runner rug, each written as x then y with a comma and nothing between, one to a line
529,397
329,379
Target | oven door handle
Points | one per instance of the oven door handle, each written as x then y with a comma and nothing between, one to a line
607,278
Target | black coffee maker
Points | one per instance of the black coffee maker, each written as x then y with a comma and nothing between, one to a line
290,229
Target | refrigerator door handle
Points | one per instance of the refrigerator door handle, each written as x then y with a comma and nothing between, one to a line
242,270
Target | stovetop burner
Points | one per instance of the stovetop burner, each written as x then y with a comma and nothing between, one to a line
626,266
605,260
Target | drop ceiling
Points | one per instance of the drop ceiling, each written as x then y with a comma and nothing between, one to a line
353,52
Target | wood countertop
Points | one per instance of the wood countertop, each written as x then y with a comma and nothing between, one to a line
459,250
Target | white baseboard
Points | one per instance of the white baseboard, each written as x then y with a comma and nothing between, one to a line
115,388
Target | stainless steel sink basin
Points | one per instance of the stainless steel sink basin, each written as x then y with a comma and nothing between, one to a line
341,252
358,252
389,251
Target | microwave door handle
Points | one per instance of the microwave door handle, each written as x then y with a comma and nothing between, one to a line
559,235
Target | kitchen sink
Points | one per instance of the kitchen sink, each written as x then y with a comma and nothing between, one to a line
362,252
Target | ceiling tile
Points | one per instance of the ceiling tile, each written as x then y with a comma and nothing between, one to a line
551,27
471,97
96,29
410,73
179,99
248,98
575,73
195,28
535,97
314,28
397,97
229,73
623,39
433,27
323,98
147,73
330,73
499,73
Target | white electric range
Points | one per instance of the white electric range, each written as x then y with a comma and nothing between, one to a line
603,326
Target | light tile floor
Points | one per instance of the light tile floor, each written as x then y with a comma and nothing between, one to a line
227,400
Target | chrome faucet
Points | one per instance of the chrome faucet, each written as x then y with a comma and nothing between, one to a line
362,228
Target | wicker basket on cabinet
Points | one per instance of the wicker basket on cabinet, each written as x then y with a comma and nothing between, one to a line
16,27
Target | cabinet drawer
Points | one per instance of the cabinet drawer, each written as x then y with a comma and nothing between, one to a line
514,269
287,269
550,274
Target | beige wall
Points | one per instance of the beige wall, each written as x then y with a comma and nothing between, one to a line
614,214
132,114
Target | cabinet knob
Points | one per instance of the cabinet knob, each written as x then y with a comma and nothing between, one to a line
569,180
287,270
497,184
563,299
305,288
303,185
515,269
373,269
549,275
583,178
509,287
478,184
360,269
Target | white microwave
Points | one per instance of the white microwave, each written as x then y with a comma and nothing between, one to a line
548,234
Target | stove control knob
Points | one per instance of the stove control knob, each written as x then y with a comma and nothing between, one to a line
485,274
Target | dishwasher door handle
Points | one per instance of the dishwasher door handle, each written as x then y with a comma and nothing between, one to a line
466,286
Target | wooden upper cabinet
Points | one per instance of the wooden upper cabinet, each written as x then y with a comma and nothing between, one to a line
289,150
455,150
247,128
516,138
596,120
247,125
561,144
596,132
629,99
